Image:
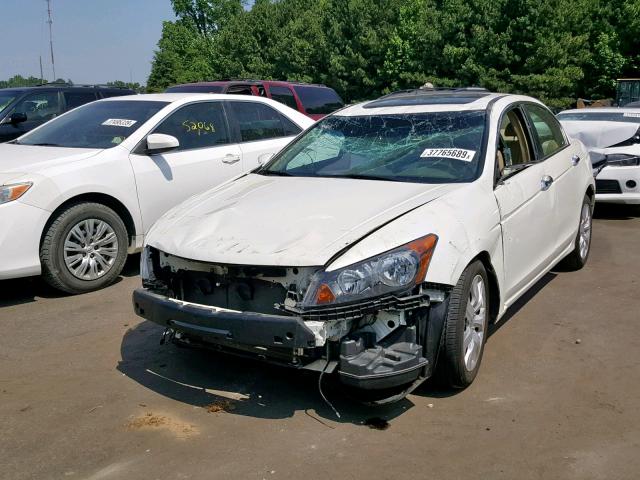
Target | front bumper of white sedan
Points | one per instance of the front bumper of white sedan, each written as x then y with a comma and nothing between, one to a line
21,226
618,185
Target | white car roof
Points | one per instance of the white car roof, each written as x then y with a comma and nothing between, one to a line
602,110
421,101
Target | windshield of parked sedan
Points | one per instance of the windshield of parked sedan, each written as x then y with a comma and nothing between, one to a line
5,100
628,117
97,125
435,147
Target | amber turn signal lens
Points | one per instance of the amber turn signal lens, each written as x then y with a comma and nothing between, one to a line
424,247
325,295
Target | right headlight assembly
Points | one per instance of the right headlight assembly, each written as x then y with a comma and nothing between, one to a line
397,269
622,160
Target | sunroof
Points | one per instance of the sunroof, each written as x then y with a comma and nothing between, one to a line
427,98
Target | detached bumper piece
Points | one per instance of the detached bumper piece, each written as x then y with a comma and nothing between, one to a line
368,366
254,332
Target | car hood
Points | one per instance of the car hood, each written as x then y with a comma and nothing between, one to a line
600,134
285,221
16,160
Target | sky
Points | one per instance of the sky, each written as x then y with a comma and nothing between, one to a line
94,41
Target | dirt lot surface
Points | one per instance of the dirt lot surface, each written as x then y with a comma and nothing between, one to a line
87,392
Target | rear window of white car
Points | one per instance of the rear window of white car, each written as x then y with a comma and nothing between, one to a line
96,125
435,147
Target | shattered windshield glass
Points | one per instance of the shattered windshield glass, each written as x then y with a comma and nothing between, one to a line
434,147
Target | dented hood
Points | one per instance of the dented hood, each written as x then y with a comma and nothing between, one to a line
599,134
285,221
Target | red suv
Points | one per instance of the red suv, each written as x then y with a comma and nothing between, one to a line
313,100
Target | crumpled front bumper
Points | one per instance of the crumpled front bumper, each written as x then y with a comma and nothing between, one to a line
361,362
218,325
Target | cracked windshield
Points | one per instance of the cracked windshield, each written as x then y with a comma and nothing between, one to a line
436,147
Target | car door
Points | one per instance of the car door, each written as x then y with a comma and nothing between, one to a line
525,205
561,161
261,130
38,107
205,158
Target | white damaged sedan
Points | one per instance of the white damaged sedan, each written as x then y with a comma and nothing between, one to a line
380,242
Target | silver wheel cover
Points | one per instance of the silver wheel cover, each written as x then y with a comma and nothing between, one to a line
584,238
474,323
90,249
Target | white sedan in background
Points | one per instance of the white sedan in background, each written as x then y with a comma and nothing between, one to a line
383,239
81,191
613,137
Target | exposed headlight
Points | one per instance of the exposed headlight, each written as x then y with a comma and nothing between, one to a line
388,272
622,160
8,193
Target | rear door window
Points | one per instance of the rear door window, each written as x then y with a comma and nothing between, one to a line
283,95
318,100
257,121
546,129
75,99
198,125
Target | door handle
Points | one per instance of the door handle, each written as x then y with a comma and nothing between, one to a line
230,158
575,160
546,182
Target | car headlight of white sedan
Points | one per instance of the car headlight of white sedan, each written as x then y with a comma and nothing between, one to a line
392,271
9,193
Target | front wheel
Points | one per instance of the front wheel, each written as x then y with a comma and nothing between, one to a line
582,243
466,327
84,248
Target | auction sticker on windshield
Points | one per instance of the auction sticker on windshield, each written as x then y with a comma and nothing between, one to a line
119,122
453,153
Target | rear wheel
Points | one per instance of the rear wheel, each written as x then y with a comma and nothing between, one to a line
582,243
84,248
466,327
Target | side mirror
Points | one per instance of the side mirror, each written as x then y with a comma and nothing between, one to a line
265,157
17,118
159,143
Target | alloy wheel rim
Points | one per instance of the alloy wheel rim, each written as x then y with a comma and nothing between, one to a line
585,231
90,249
474,323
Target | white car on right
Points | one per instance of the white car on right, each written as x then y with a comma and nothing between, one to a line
612,136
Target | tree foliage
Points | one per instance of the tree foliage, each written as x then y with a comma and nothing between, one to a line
557,50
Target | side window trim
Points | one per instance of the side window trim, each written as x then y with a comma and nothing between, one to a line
141,149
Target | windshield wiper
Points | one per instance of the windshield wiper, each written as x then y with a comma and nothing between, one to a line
275,173
43,144
357,176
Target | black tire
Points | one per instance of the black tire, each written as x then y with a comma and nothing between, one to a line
453,369
575,260
52,257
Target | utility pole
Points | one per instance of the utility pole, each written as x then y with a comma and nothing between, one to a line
50,22
41,74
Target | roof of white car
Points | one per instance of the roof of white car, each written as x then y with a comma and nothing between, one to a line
428,100
622,110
